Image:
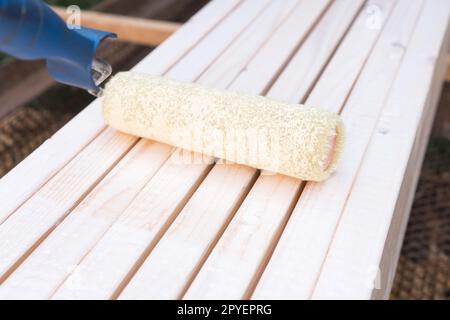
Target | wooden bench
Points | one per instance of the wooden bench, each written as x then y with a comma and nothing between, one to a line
94,213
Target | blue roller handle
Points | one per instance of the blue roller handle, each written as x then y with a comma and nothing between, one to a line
31,30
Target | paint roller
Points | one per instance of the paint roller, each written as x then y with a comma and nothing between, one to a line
290,139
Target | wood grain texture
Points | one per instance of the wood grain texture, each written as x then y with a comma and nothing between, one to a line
177,180
191,237
353,268
296,262
59,196
214,43
47,266
397,229
32,173
270,202
239,53
315,53
228,272
103,270
283,43
137,288
32,222
255,47
19,184
95,214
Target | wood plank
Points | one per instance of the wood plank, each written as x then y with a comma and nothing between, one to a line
163,258
280,49
191,237
271,200
149,32
138,242
162,152
107,149
316,51
36,218
214,44
101,272
188,37
28,176
172,270
391,252
218,256
355,254
113,282
238,55
395,235
340,75
78,254
295,264
38,168
232,269
39,276
185,182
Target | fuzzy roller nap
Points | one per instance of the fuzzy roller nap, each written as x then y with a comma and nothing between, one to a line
291,139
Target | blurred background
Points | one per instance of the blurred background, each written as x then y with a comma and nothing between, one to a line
33,107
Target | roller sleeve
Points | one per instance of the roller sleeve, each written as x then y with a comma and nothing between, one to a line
290,139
